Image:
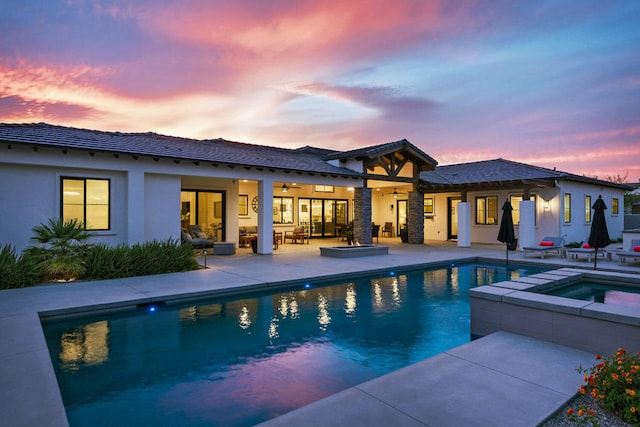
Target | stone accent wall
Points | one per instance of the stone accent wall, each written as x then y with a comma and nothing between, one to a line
415,217
362,215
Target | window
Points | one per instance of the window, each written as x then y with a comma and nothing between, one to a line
324,188
428,206
587,209
615,207
243,204
567,208
282,210
515,204
86,200
487,210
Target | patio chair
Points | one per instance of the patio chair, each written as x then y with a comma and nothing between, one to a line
633,253
375,231
387,229
298,233
547,244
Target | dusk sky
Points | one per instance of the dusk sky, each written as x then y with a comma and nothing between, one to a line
550,83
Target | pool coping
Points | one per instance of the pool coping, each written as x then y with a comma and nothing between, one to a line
26,355
517,304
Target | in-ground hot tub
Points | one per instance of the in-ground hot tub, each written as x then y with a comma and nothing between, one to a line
353,251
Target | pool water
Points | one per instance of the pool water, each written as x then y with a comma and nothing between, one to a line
600,292
245,360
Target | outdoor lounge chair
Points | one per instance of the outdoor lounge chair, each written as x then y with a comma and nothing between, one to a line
198,243
585,249
547,245
633,252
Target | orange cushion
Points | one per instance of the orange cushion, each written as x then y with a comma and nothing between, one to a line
587,246
636,249
545,243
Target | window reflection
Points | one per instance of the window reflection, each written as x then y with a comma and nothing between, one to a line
323,313
84,346
351,302
244,318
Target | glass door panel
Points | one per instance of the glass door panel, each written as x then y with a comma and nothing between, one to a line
402,215
316,217
205,208
329,227
304,214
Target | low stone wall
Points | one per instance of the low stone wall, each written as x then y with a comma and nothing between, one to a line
353,251
585,325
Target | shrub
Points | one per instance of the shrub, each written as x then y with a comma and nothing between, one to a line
17,271
61,248
615,383
155,257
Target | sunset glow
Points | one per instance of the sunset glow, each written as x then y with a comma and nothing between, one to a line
555,84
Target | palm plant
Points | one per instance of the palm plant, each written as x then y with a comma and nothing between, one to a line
61,248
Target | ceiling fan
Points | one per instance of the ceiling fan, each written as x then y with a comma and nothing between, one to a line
395,193
286,187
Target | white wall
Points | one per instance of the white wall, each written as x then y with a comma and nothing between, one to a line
30,195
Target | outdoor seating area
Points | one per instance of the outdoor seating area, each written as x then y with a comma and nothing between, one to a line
585,251
198,240
547,245
633,253
298,234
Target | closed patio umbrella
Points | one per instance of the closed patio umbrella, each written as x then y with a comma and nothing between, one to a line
599,235
507,234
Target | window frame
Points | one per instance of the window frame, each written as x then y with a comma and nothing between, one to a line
84,181
429,207
587,209
243,204
279,208
566,208
486,210
615,206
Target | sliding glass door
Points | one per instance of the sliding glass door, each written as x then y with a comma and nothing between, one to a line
205,208
322,215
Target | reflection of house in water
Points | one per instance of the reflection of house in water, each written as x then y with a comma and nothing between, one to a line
84,346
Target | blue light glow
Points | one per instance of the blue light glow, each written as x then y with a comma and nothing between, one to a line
307,286
152,308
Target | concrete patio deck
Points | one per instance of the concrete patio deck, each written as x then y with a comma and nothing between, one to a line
503,379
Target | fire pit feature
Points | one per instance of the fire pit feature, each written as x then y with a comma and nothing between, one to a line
353,251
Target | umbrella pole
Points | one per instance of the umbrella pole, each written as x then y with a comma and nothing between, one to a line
507,246
595,258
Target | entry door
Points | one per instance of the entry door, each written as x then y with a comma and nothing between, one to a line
452,226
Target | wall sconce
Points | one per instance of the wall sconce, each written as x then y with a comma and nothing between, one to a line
391,208
547,205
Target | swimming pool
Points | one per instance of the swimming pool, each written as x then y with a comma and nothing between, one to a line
245,360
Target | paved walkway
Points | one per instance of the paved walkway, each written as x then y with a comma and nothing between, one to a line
497,380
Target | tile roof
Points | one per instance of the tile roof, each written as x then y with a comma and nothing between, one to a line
499,170
155,145
375,150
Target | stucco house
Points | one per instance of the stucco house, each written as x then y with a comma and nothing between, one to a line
136,187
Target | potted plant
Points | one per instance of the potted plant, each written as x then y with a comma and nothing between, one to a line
254,244
404,234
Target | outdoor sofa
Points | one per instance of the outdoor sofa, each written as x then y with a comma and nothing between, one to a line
547,245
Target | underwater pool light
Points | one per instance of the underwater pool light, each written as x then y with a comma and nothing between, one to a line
307,286
152,308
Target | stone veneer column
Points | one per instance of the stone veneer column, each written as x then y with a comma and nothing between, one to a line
415,217
362,215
